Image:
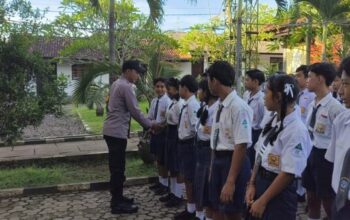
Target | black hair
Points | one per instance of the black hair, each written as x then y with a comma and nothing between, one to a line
159,79
223,72
137,65
280,73
202,114
288,88
173,82
190,83
304,69
345,66
256,74
327,70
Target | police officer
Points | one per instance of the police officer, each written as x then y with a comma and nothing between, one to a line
121,107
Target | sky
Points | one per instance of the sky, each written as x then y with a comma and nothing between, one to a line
179,15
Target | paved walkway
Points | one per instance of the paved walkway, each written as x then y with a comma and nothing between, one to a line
63,149
89,205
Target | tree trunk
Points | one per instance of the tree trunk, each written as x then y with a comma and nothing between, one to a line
111,37
324,40
229,22
308,40
238,63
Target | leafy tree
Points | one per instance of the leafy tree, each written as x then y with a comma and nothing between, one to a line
19,106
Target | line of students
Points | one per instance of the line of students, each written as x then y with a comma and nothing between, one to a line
246,157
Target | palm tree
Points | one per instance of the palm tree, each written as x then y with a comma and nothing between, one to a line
329,11
156,15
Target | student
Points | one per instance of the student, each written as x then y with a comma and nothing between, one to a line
323,110
305,97
186,149
157,112
335,86
338,151
254,79
230,137
205,115
281,155
174,198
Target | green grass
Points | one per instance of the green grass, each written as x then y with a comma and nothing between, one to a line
68,172
96,123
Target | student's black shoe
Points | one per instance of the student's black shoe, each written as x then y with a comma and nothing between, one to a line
155,186
166,198
161,191
301,198
185,215
124,207
174,202
127,200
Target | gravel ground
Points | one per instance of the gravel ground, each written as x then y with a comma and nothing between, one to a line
53,126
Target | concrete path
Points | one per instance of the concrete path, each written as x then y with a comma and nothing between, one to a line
90,205
54,150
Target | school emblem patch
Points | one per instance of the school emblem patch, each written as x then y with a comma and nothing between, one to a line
298,149
245,123
320,128
274,160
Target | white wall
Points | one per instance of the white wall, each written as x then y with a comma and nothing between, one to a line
66,70
185,68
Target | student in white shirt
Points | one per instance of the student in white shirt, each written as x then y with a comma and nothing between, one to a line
174,198
186,133
304,98
156,113
281,155
205,116
253,80
335,87
323,110
338,151
230,137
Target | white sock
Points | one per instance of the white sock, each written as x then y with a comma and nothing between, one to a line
164,181
200,215
206,218
313,219
173,185
160,179
180,190
191,207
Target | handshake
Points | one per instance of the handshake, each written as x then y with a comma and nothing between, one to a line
156,128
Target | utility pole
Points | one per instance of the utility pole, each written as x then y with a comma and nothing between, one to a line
229,23
111,39
238,63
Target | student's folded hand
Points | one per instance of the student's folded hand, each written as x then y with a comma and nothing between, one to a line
257,209
227,193
249,195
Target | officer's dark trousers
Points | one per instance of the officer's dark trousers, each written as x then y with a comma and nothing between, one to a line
116,157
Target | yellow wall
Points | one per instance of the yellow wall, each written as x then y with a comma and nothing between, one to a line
293,58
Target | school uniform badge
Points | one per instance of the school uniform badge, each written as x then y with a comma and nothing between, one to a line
320,128
273,160
298,150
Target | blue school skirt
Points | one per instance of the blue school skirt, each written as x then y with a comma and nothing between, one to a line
201,175
171,152
187,158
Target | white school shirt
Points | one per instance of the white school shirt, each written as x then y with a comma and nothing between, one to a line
256,102
173,112
202,131
340,144
325,116
164,102
305,98
235,124
188,120
289,151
